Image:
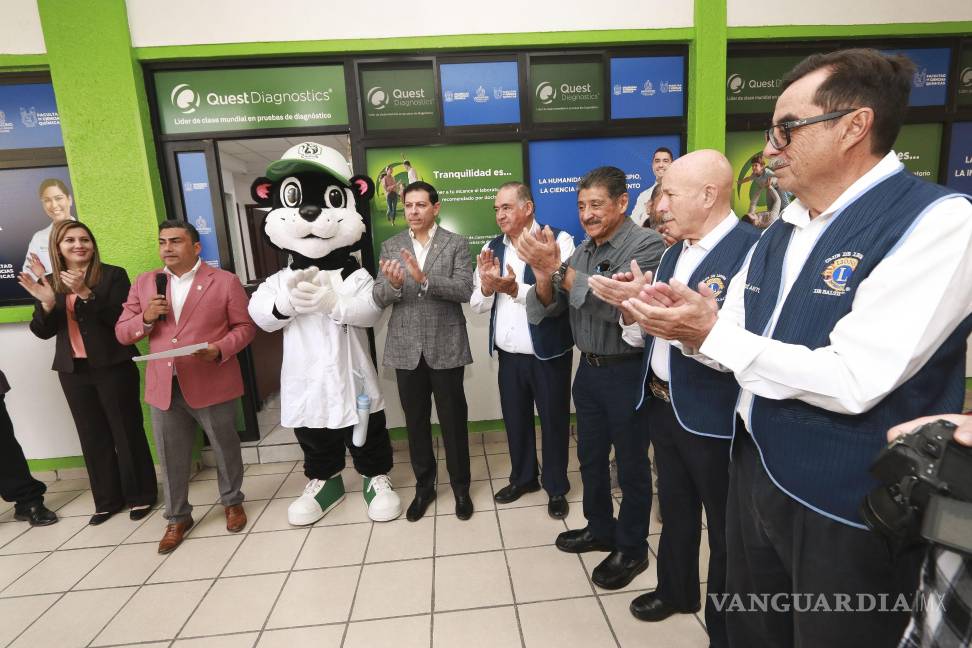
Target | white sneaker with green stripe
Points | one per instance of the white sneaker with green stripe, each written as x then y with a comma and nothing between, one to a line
383,502
320,496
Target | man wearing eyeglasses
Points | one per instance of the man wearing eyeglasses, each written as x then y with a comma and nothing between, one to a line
850,316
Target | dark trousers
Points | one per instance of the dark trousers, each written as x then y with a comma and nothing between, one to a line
16,483
415,389
777,545
693,471
324,449
605,399
105,404
524,380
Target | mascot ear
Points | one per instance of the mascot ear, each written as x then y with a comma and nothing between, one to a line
262,191
363,187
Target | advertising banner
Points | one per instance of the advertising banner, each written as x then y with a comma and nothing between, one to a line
919,147
929,86
197,198
480,93
960,158
466,177
567,92
29,117
23,224
965,78
556,166
753,82
196,101
397,98
647,86
751,193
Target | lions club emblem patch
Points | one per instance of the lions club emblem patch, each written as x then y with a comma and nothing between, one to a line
716,283
838,272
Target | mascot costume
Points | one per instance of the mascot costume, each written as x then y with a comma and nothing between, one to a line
328,383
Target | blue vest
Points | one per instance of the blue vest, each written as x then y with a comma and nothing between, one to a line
818,457
704,399
552,337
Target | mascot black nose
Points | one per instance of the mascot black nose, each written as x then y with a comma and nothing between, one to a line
310,212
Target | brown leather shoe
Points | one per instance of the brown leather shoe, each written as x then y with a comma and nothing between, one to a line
174,533
235,518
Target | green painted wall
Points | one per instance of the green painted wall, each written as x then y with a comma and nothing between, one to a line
707,77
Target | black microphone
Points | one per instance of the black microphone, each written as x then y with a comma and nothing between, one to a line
161,282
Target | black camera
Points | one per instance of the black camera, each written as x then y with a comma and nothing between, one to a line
925,491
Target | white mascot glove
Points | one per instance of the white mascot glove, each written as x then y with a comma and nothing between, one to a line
283,302
314,296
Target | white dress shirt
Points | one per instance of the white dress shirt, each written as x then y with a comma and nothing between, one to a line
901,313
422,251
179,289
690,258
511,328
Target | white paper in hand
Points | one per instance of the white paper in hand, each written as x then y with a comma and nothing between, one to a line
173,353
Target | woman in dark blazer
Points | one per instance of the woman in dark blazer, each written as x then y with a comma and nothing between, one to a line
79,303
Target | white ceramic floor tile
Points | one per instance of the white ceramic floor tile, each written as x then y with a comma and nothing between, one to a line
293,485
487,628
279,435
108,533
235,605
18,613
393,589
499,466
66,485
204,492
571,623
244,640
75,620
401,540
13,566
142,618
260,487
46,538
83,504
197,558
471,580
273,551
315,597
408,632
205,473
454,536
10,530
334,546
677,631
401,475
126,565
271,468
528,527
543,573
58,572
317,636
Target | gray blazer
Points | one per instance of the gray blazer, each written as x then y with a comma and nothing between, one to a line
429,324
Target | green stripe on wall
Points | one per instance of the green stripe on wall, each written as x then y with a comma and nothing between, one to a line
707,77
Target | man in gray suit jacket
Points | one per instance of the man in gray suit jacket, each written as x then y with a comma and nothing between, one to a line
426,273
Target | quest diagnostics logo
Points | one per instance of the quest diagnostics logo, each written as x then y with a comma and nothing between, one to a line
184,99
966,77
378,98
735,83
546,92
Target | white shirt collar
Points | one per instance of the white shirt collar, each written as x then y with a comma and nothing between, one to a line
188,276
432,231
798,214
718,232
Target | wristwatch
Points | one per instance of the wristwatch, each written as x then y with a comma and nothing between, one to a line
558,275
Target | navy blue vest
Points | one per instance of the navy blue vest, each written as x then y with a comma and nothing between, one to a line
704,399
552,337
818,457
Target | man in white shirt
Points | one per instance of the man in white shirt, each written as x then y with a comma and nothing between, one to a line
534,361
690,406
661,159
850,316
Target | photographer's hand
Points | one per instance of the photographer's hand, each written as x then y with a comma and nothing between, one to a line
963,434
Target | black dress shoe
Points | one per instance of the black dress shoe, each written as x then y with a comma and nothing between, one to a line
616,571
464,506
650,607
557,507
418,506
99,518
37,514
581,541
512,492
137,514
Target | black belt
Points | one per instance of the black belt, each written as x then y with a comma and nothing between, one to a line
659,389
596,360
